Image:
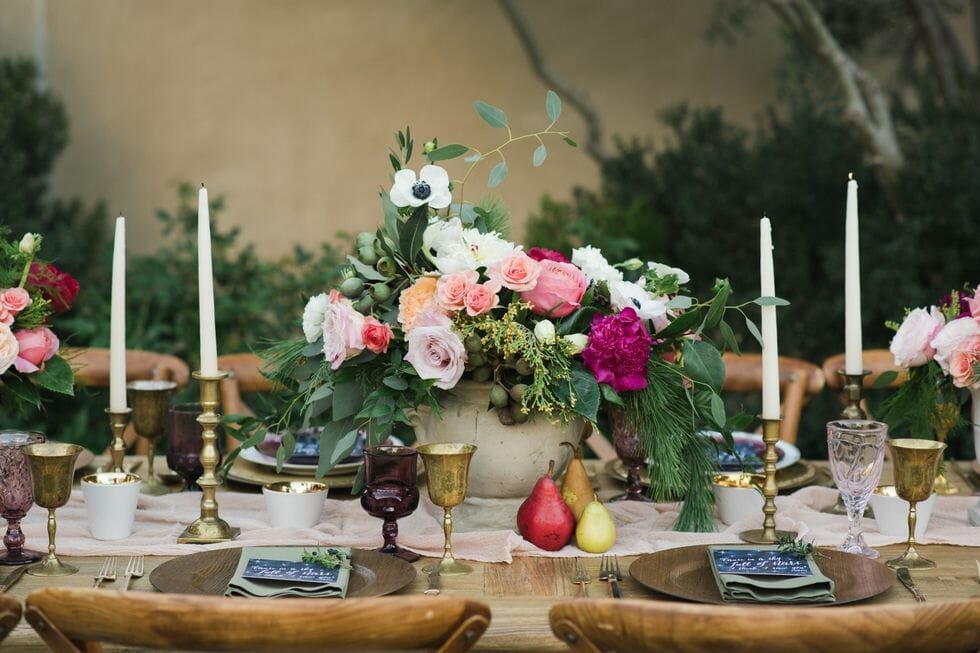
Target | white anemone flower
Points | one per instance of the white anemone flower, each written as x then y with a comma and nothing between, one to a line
662,271
431,187
626,294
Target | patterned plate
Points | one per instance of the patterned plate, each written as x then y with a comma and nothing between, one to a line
797,475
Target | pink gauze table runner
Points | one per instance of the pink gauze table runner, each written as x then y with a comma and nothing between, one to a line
483,528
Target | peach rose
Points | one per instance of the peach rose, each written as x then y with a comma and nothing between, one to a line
36,347
415,300
9,348
516,272
482,298
964,365
376,335
451,289
558,291
15,300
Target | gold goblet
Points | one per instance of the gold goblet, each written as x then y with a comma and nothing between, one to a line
150,400
52,469
947,415
447,467
915,463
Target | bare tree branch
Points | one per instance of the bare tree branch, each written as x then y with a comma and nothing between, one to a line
963,67
593,143
929,18
975,10
866,106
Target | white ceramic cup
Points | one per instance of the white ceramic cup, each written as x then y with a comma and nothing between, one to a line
738,496
110,501
295,503
892,512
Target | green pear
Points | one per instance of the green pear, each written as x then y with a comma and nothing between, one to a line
596,532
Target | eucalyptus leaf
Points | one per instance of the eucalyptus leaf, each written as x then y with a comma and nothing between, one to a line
753,329
473,158
703,363
610,395
717,411
395,383
728,335
410,236
320,393
552,104
491,115
586,390
365,271
497,175
684,323
313,349
717,309
447,152
680,302
540,154
884,379
570,141
347,399
770,301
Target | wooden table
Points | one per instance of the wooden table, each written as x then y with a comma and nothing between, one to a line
520,594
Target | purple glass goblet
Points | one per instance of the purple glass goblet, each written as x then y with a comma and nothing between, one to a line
185,442
16,495
629,448
391,491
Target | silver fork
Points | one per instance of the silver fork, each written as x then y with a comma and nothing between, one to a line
609,572
134,569
107,572
581,578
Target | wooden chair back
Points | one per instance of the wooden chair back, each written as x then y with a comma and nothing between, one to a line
92,366
876,361
10,611
799,382
638,625
70,620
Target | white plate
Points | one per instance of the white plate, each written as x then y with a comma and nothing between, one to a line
790,453
253,455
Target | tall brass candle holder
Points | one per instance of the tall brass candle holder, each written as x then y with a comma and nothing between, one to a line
853,396
768,533
118,421
209,527
150,400
447,468
52,470
915,463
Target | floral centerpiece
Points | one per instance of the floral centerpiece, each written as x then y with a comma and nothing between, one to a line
31,291
438,296
940,347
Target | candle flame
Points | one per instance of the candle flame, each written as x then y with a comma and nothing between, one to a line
850,176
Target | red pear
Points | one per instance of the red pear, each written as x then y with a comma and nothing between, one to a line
544,519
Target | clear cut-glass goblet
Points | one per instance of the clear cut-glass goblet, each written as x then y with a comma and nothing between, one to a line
856,449
16,494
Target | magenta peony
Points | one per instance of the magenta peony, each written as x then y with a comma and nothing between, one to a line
618,349
545,254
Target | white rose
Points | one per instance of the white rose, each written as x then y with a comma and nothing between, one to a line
911,344
576,342
626,294
313,314
955,336
544,331
9,348
594,265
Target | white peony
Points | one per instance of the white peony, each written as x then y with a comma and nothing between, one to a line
313,314
623,294
954,336
9,348
455,249
431,187
912,344
594,265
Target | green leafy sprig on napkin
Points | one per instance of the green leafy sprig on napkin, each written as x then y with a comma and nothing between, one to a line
327,558
800,548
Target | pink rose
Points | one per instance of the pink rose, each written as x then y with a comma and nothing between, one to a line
6,317
9,348
15,300
451,289
911,344
955,336
436,352
376,335
974,303
516,272
964,365
482,298
36,346
558,291
342,327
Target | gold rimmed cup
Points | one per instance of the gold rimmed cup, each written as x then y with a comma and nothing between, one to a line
296,504
110,502
915,462
52,471
447,468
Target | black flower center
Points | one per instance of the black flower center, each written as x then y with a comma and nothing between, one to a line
421,190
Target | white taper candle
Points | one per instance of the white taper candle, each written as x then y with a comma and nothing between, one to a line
205,282
853,360
770,349
117,321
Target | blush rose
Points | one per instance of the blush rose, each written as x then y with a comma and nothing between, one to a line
964,364
436,352
911,345
342,327
516,272
451,289
36,347
559,289
482,298
15,300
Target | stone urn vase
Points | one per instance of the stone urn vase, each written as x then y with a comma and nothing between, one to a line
509,459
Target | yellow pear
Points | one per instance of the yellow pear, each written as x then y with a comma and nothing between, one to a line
596,532
577,489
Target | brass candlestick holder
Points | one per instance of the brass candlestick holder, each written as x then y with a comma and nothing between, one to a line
853,396
52,469
447,468
209,527
150,400
768,533
118,421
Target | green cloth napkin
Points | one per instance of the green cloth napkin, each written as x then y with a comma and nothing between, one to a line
756,588
239,585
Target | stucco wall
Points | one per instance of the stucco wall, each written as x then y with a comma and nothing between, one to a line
288,107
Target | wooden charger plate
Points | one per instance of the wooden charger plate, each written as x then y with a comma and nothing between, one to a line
685,573
243,471
208,572
795,476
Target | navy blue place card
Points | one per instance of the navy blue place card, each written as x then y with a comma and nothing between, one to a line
760,562
285,570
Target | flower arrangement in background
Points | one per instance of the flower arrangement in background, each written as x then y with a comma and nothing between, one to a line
438,294
31,291
940,347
